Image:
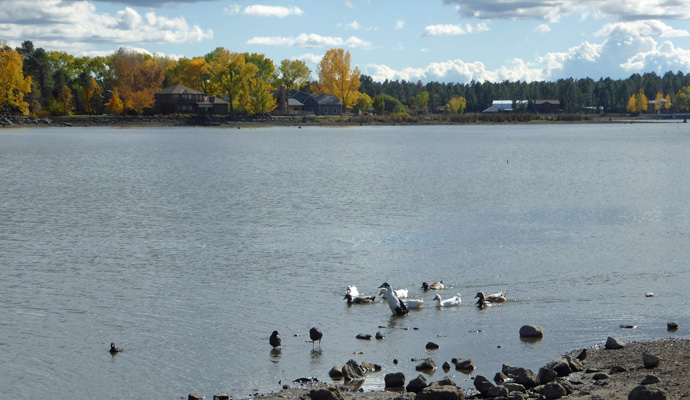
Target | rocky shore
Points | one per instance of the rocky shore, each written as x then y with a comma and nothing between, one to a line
658,369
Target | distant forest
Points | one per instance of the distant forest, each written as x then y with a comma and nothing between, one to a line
574,94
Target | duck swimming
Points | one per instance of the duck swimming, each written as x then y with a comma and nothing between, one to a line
400,293
413,303
453,301
352,290
396,305
491,298
434,286
359,299
114,350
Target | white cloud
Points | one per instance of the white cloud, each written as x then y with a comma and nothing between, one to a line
308,40
309,57
257,10
77,24
553,10
399,24
543,28
450,30
354,25
653,28
348,4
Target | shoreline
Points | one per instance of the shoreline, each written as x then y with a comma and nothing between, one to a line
609,374
339,121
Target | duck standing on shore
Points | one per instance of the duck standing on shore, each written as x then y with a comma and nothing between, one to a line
396,305
274,340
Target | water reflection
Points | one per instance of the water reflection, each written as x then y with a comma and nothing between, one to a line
276,354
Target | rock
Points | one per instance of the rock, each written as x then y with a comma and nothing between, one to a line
600,376
440,392
379,335
522,376
464,365
583,355
364,336
482,384
328,392
646,393
546,375
222,396
574,363
516,396
650,380
650,361
432,346
417,384
500,377
446,381
336,372
498,391
394,380
553,391
672,326
562,367
352,371
613,344
531,331
195,396
446,366
567,385
427,364
514,387
368,367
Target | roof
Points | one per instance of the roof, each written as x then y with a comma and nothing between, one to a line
320,99
179,89
538,102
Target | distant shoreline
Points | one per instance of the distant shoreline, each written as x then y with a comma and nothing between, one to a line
334,121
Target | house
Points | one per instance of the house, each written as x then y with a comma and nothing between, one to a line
545,106
185,100
505,105
295,102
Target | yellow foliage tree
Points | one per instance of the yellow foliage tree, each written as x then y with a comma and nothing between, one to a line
667,102
642,101
262,100
115,106
13,84
456,105
658,101
632,104
232,73
65,101
197,74
336,78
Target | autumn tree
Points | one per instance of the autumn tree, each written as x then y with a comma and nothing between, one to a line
231,72
115,106
683,99
293,74
667,102
13,84
64,100
658,102
262,100
456,105
641,101
137,77
336,78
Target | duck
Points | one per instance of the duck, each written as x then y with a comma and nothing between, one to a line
315,335
274,340
499,297
352,290
400,293
114,350
434,286
359,299
396,305
413,303
453,301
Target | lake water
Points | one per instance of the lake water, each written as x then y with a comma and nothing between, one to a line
189,246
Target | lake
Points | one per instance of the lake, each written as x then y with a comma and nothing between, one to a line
187,247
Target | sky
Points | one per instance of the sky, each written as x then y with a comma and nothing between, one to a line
414,40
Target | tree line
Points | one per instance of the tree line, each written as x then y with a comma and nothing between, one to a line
39,82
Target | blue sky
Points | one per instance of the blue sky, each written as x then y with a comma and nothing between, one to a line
430,40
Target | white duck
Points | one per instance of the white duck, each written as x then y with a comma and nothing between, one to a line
434,286
396,305
413,303
352,290
400,293
453,301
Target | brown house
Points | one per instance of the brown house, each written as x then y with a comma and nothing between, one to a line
180,99
545,106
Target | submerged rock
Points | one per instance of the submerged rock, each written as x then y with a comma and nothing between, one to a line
531,331
394,380
427,364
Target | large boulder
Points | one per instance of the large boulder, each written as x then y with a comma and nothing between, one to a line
336,372
553,390
646,393
562,367
531,331
464,365
574,363
498,391
352,371
482,384
546,375
394,380
417,384
426,365
514,387
440,392
327,392
613,344
523,376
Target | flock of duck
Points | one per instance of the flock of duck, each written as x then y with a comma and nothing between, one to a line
400,304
